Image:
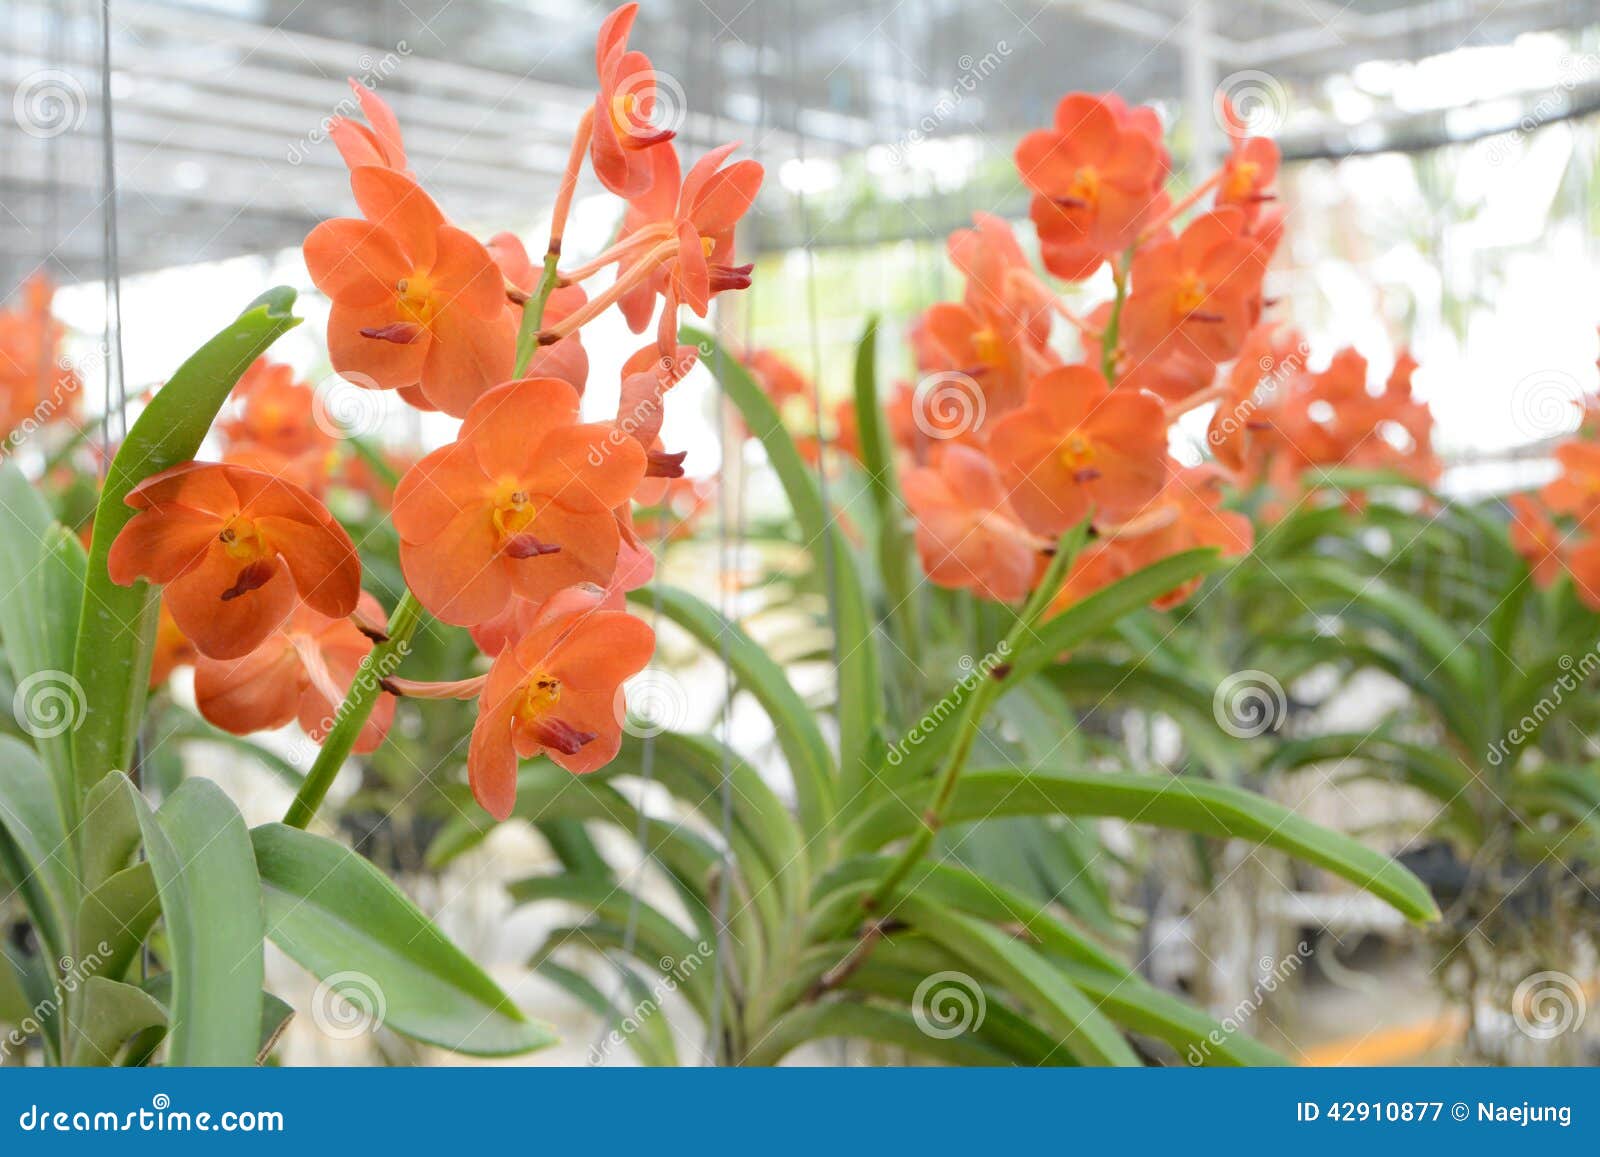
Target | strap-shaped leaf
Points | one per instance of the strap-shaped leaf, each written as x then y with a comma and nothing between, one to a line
856,650
1078,1025
1192,805
343,920
114,919
32,821
804,748
41,574
858,1020
199,850
641,1025
106,1015
116,625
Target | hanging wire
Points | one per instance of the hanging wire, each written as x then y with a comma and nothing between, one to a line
792,32
729,539
116,398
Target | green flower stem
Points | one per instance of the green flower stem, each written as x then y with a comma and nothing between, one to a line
976,708
352,714
533,314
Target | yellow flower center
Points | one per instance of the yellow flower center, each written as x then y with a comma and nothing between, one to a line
243,541
1086,186
1076,452
514,510
625,112
1191,294
416,298
1243,179
539,697
986,344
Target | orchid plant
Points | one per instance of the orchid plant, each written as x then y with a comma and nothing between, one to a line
825,905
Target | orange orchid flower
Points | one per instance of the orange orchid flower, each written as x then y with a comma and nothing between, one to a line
1576,490
686,255
416,301
375,143
963,342
1000,285
233,548
1077,446
780,379
1097,177
302,670
623,136
1188,513
1536,538
1193,291
556,692
522,503
280,427
967,535
1248,176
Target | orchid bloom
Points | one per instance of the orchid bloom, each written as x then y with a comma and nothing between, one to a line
361,145
1193,291
520,504
302,670
1536,538
968,344
234,548
623,136
416,301
1248,176
687,258
1097,178
967,534
1576,490
636,566
557,692
1078,446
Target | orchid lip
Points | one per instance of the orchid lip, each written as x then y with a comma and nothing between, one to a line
660,464
561,736
399,332
252,577
527,546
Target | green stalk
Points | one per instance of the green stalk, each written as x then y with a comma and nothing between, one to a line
975,709
1111,334
533,314
352,714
